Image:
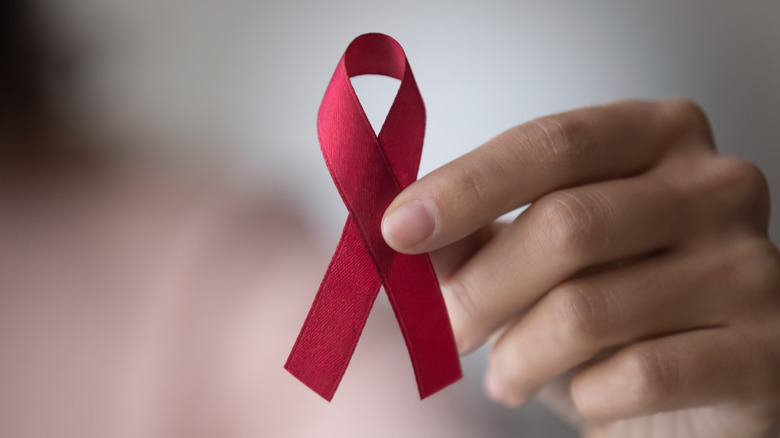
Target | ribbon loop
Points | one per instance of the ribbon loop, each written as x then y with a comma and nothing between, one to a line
369,171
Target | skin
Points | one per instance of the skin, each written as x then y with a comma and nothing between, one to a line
638,295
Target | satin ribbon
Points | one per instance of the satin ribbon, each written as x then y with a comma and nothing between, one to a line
369,172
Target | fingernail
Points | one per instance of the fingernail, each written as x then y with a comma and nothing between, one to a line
409,224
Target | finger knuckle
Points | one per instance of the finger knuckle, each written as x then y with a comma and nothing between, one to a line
581,312
688,117
745,181
571,224
649,377
472,183
561,140
732,191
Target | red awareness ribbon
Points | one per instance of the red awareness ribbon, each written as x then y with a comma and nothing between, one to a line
369,172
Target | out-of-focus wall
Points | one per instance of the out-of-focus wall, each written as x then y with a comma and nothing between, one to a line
254,71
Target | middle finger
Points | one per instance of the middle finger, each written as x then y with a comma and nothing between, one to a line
557,237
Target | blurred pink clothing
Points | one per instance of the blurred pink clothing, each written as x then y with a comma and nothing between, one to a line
165,307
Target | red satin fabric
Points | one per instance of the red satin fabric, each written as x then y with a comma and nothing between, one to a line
369,172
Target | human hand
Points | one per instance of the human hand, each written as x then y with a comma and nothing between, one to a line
640,284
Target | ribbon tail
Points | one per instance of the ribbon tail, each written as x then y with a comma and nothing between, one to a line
336,319
416,299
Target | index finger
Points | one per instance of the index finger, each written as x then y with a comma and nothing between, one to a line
531,160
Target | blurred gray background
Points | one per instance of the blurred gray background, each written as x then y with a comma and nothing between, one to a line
242,80
251,73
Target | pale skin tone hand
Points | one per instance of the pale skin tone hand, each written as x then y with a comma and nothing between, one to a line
639,294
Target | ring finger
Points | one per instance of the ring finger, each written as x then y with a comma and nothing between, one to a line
579,318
